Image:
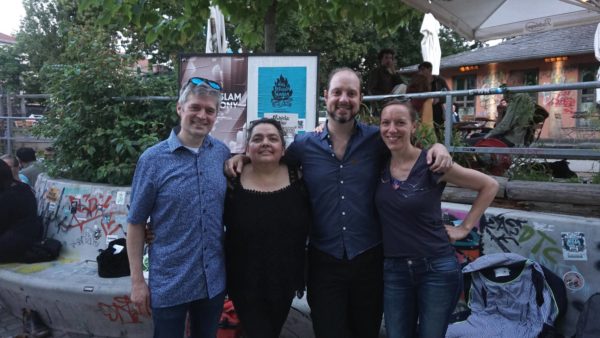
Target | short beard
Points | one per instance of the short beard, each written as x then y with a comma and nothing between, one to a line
341,120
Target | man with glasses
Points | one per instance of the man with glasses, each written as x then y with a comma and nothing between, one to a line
179,184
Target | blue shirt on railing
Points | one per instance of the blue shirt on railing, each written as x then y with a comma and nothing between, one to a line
183,193
341,191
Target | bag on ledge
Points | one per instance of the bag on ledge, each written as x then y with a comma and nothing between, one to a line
113,261
44,251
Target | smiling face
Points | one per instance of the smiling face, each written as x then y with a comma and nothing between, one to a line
397,126
198,115
265,144
343,96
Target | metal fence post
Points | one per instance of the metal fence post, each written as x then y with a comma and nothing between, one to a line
9,121
23,106
449,121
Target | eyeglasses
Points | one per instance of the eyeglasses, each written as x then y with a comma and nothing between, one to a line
198,81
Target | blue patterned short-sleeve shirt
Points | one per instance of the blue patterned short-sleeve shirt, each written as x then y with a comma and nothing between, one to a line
183,193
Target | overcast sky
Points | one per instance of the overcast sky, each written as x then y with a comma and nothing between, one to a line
10,16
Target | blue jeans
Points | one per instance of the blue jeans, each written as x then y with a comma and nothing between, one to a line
419,295
204,318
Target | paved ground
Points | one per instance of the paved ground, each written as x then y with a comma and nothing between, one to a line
9,325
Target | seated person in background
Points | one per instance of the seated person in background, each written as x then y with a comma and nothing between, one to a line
13,163
455,116
438,84
518,124
20,226
419,83
384,78
501,110
30,167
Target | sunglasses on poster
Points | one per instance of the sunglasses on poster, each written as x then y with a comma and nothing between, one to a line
198,81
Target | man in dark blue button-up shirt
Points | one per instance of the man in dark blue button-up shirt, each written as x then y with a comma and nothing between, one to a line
179,184
341,166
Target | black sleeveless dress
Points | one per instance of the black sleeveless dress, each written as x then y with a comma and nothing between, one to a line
265,240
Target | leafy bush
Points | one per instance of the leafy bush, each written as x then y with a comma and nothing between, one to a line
99,138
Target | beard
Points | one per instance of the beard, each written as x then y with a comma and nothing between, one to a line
341,119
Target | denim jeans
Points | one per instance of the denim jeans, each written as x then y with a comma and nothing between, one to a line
419,295
204,318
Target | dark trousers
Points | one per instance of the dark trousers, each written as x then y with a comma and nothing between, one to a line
262,317
346,296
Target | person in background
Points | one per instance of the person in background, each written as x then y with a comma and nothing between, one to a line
20,226
13,163
422,277
501,110
30,167
384,78
438,84
340,166
267,217
455,116
420,83
179,184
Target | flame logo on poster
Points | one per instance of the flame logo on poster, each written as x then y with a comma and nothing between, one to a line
281,93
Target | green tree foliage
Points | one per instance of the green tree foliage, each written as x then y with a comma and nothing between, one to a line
168,21
97,137
356,44
11,68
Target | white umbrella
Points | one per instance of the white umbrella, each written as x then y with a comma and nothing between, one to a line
216,41
494,19
430,44
597,53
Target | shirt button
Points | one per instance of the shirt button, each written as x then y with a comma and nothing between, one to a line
341,182
343,197
341,166
332,155
343,213
344,228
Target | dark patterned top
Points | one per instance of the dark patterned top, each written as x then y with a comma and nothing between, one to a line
265,239
410,212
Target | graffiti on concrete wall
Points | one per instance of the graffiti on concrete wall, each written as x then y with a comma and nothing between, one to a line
469,248
122,310
83,216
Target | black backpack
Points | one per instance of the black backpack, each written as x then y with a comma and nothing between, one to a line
112,264
588,325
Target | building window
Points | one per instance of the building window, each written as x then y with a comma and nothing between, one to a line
465,105
587,98
528,77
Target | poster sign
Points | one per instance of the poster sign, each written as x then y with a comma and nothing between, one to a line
283,87
573,246
231,72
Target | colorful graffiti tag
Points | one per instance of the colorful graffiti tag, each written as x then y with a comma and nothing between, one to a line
122,310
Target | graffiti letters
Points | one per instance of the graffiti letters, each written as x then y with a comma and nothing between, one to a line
121,310
512,235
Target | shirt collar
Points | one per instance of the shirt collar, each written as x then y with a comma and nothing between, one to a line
357,129
174,142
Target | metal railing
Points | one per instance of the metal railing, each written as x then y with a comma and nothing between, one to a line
567,153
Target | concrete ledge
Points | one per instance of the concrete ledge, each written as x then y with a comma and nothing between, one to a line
75,302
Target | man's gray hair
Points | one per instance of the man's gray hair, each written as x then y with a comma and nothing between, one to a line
199,90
